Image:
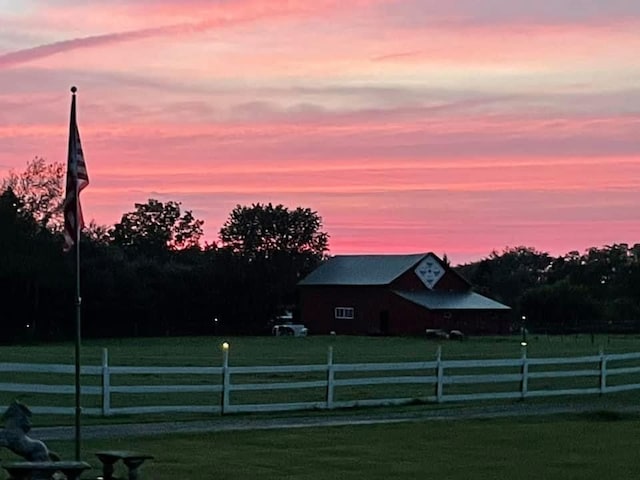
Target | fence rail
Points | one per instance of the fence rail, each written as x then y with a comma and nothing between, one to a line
436,381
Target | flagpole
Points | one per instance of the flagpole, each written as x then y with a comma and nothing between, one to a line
77,349
77,180
78,302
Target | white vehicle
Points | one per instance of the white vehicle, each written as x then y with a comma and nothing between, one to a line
436,333
290,329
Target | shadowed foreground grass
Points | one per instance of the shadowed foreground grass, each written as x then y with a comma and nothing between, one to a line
597,446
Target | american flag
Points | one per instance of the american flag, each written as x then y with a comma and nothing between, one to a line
77,180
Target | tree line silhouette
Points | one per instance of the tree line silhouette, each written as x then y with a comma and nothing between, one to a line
596,291
150,274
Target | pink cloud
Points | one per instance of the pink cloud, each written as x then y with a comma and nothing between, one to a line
528,46
408,126
198,17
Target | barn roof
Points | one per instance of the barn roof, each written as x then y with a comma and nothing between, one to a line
440,300
362,269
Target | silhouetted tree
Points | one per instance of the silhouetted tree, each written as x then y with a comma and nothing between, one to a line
504,276
40,189
31,269
271,248
154,228
262,229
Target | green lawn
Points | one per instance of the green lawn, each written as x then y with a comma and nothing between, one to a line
206,351
576,447
581,447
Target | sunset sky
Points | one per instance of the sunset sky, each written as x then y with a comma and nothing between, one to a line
457,127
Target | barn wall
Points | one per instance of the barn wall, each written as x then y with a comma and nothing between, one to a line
318,304
377,310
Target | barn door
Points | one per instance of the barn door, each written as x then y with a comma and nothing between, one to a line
384,322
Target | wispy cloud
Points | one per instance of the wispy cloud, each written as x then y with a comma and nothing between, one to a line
224,15
30,54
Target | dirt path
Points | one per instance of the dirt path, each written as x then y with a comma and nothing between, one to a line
231,423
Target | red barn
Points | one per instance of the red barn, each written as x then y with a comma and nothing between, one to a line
395,295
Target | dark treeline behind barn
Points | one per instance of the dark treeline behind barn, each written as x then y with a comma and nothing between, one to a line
596,291
150,275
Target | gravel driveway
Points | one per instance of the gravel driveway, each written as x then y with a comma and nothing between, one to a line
231,423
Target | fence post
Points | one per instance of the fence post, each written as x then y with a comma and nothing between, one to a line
226,379
439,374
330,377
603,372
106,384
524,372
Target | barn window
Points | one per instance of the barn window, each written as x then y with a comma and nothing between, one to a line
344,313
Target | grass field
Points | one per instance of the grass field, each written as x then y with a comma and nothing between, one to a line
205,351
595,446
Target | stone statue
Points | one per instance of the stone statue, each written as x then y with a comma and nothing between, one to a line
17,423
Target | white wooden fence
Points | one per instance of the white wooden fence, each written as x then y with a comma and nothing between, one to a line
437,380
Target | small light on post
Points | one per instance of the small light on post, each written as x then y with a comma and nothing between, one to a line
224,396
